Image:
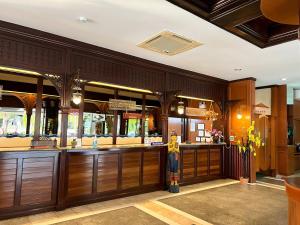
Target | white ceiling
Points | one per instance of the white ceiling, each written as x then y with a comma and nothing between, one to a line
122,24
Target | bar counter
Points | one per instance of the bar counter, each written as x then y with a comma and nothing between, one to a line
33,181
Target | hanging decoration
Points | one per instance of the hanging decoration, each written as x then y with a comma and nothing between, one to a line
180,107
77,96
211,114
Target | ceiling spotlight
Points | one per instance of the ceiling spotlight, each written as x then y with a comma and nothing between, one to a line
283,79
83,19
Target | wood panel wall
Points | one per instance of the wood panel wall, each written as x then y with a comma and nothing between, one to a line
31,49
200,163
279,140
37,181
28,182
95,175
241,93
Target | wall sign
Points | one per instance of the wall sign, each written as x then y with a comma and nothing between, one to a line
118,104
263,103
132,116
195,112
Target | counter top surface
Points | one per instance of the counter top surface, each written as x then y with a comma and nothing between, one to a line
104,147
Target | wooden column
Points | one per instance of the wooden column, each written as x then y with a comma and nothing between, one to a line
243,92
80,116
165,99
115,128
29,102
143,119
38,108
279,145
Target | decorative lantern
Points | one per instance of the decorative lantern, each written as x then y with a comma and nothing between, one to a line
77,96
180,108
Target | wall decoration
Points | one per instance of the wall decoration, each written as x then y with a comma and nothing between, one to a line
201,126
201,133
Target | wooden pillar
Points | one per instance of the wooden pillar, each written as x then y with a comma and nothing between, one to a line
38,108
29,102
165,99
243,92
143,119
115,127
80,116
65,105
279,145
28,119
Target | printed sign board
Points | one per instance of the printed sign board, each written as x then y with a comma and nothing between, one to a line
132,116
195,112
118,104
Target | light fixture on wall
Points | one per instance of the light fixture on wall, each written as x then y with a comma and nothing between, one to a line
202,105
77,96
180,108
239,114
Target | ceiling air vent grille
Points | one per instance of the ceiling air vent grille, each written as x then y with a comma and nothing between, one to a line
169,43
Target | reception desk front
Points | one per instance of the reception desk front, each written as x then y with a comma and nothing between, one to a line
33,181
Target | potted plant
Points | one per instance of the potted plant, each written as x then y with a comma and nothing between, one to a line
253,140
217,136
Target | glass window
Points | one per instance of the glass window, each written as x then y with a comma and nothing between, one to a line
13,121
133,127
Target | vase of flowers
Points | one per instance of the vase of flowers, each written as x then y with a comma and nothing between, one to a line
247,147
217,136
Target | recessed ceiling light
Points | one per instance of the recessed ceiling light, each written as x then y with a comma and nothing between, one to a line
83,19
283,79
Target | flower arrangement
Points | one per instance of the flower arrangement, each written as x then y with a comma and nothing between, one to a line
217,135
252,142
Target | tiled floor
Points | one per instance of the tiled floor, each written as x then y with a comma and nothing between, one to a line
162,207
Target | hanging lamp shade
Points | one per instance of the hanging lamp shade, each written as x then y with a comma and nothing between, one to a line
281,11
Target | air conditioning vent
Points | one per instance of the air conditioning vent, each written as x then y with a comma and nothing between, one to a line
168,43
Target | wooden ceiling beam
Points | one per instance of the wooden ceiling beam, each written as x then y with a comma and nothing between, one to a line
237,15
242,18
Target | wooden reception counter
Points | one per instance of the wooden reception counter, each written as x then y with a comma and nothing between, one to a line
33,181
293,192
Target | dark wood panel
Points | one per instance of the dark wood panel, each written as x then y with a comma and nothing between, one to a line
151,167
80,175
31,49
8,173
31,54
202,162
242,18
214,162
196,87
188,163
131,162
37,178
119,72
107,172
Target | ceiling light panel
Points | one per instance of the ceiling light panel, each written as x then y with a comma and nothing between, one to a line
169,43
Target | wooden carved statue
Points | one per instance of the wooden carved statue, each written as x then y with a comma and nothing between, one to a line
173,156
